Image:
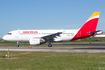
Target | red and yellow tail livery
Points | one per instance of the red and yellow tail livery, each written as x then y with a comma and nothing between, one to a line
89,26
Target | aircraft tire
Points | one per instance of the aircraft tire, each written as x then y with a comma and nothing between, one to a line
49,45
17,45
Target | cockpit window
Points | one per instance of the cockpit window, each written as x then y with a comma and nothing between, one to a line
9,33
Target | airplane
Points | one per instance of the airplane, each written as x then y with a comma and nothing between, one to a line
38,37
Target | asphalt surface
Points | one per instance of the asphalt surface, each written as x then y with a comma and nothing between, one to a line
92,48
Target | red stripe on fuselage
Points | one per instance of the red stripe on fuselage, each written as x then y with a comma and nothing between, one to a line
89,26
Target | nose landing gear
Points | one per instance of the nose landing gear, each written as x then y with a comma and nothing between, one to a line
17,44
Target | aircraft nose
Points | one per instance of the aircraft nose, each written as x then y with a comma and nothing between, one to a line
4,37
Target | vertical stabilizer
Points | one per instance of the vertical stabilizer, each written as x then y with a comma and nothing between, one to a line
91,23
89,26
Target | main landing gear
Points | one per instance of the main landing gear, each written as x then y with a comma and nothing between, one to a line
49,45
17,44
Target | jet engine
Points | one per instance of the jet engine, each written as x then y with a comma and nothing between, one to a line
36,41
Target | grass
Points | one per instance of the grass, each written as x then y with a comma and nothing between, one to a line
53,61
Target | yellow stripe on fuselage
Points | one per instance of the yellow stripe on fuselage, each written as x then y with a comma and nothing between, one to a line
95,14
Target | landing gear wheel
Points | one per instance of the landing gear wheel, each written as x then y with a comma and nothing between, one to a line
49,45
17,45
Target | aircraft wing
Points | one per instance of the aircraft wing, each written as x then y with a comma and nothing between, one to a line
51,36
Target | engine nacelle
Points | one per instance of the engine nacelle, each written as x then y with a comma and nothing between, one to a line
36,41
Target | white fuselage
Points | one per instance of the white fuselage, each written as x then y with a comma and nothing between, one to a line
26,35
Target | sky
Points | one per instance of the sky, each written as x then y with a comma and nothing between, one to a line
48,14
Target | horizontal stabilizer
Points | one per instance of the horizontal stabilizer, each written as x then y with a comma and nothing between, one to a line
96,32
